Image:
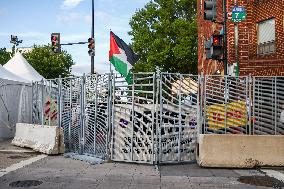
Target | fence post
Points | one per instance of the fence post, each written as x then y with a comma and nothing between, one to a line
253,105
226,101
109,110
161,117
153,118
59,101
71,115
157,126
275,105
96,113
42,102
250,105
133,116
112,92
50,104
82,115
199,108
205,105
179,118
32,104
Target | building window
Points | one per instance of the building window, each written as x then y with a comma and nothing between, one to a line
266,37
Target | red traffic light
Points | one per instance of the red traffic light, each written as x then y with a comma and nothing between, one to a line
91,40
55,42
217,40
91,46
54,38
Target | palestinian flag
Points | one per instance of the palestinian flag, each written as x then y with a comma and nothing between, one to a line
122,57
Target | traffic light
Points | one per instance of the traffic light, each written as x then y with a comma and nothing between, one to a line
217,47
91,46
207,45
55,42
210,11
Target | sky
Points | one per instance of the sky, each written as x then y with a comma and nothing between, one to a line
34,20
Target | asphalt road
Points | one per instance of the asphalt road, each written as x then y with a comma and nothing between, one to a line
55,172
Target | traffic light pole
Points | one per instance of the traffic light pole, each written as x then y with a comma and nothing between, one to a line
93,35
225,55
78,43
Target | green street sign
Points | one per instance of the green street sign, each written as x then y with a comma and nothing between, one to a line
238,14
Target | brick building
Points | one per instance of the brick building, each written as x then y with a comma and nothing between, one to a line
256,43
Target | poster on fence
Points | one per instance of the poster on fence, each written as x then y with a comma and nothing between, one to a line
220,116
50,112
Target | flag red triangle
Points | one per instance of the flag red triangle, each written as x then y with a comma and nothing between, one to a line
113,46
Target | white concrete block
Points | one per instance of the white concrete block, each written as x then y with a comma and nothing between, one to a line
240,151
44,139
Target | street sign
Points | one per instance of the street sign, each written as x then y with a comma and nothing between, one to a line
238,14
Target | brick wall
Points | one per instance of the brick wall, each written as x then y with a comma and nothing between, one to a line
249,61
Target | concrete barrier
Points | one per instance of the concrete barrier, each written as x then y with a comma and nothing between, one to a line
44,139
240,151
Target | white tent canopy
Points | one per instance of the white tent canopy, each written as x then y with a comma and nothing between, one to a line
5,74
19,66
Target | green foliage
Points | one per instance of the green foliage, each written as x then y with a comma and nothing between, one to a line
49,64
164,34
4,56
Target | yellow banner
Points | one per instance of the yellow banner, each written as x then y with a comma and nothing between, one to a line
236,115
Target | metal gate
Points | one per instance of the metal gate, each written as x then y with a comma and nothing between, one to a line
80,105
152,119
85,114
133,118
178,117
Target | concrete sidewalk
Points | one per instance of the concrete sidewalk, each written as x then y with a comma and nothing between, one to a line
59,172
10,154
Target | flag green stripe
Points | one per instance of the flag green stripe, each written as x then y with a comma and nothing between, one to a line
121,67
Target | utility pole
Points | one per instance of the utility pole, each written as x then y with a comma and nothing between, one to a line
93,35
225,56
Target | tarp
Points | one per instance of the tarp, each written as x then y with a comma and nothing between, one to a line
19,66
15,106
5,74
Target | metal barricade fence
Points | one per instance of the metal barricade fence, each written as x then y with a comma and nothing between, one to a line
133,119
80,105
268,105
157,117
178,108
225,105
45,102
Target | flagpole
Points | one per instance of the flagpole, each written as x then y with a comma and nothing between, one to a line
110,71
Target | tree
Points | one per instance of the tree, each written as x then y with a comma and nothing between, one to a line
4,56
49,64
164,34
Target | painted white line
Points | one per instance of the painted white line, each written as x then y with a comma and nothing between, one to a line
21,164
275,174
18,151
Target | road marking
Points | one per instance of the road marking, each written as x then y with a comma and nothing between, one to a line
274,174
21,164
18,151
